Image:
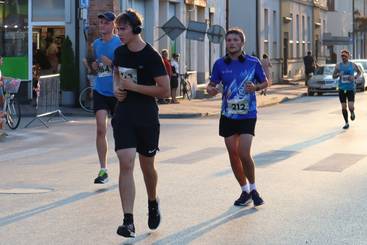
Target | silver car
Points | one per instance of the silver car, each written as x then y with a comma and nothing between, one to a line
361,82
322,80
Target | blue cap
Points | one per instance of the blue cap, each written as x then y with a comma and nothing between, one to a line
109,16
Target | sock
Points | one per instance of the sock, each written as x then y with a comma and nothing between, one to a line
128,219
352,114
252,187
152,204
104,169
246,188
345,115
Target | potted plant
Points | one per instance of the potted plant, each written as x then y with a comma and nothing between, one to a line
68,74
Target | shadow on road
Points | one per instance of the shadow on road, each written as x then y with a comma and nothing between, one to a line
265,159
191,233
29,213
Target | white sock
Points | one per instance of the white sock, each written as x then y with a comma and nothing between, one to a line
252,187
246,188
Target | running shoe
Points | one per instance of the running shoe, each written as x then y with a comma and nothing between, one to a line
352,116
243,200
346,126
256,198
126,230
102,177
154,216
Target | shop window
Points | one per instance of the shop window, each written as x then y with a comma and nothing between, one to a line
14,37
48,10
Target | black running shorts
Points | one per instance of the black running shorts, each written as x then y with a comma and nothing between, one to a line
346,94
102,102
143,137
229,127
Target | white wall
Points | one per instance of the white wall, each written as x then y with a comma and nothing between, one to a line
243,15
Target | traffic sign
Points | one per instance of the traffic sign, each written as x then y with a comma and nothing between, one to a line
216,34
196,31
173,28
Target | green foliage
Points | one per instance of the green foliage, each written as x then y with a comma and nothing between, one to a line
68,75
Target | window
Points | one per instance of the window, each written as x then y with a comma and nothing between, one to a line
266,31
14,37
298,36
309,33
275,34
303,36
331,5
291,38
48,10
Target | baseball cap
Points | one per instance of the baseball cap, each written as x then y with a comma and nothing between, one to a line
109,16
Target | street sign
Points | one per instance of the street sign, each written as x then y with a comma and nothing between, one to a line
84,3
173,28
196,31
216,34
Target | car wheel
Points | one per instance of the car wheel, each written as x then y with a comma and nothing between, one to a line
319,93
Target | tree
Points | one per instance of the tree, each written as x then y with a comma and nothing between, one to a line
68,75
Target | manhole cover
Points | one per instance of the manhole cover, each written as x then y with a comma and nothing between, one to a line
25,190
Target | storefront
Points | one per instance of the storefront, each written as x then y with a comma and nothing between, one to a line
31,37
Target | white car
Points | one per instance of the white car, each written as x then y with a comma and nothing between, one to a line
322,80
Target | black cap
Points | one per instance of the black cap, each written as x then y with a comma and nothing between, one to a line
109,16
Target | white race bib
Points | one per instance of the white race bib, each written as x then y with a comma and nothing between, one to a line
345,79
104,70
238,106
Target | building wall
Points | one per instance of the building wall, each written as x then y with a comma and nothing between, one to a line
243,15
269,34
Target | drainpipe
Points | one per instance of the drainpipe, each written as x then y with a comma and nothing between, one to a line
257,29
77,43
227,15
353,31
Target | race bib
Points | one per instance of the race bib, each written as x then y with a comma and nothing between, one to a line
345,79
238,106
104,70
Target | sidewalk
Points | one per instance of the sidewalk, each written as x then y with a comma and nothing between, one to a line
277,93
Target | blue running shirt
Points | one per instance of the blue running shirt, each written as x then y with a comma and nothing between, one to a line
237,103
103,83
346,70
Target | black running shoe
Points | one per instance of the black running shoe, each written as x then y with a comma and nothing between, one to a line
154,216
102,177
346,126
256,198
126,230
352,116
243,200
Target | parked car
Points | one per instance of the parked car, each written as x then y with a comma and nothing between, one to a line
361,81
322,80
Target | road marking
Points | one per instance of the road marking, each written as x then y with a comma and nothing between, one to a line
336,162
25,153
197,156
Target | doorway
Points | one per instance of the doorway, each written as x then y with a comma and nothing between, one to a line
46,49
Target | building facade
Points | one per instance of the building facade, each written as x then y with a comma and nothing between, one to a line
283,29
31,29
196,57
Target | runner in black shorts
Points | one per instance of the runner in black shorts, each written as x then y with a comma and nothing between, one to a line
240,75
103,97
347,87
140,76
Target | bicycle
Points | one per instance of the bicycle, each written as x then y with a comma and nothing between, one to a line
86,95
86,99
185,86
11,107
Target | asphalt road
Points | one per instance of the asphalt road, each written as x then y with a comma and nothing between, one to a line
310,172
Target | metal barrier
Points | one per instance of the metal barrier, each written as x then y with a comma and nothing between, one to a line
47,104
